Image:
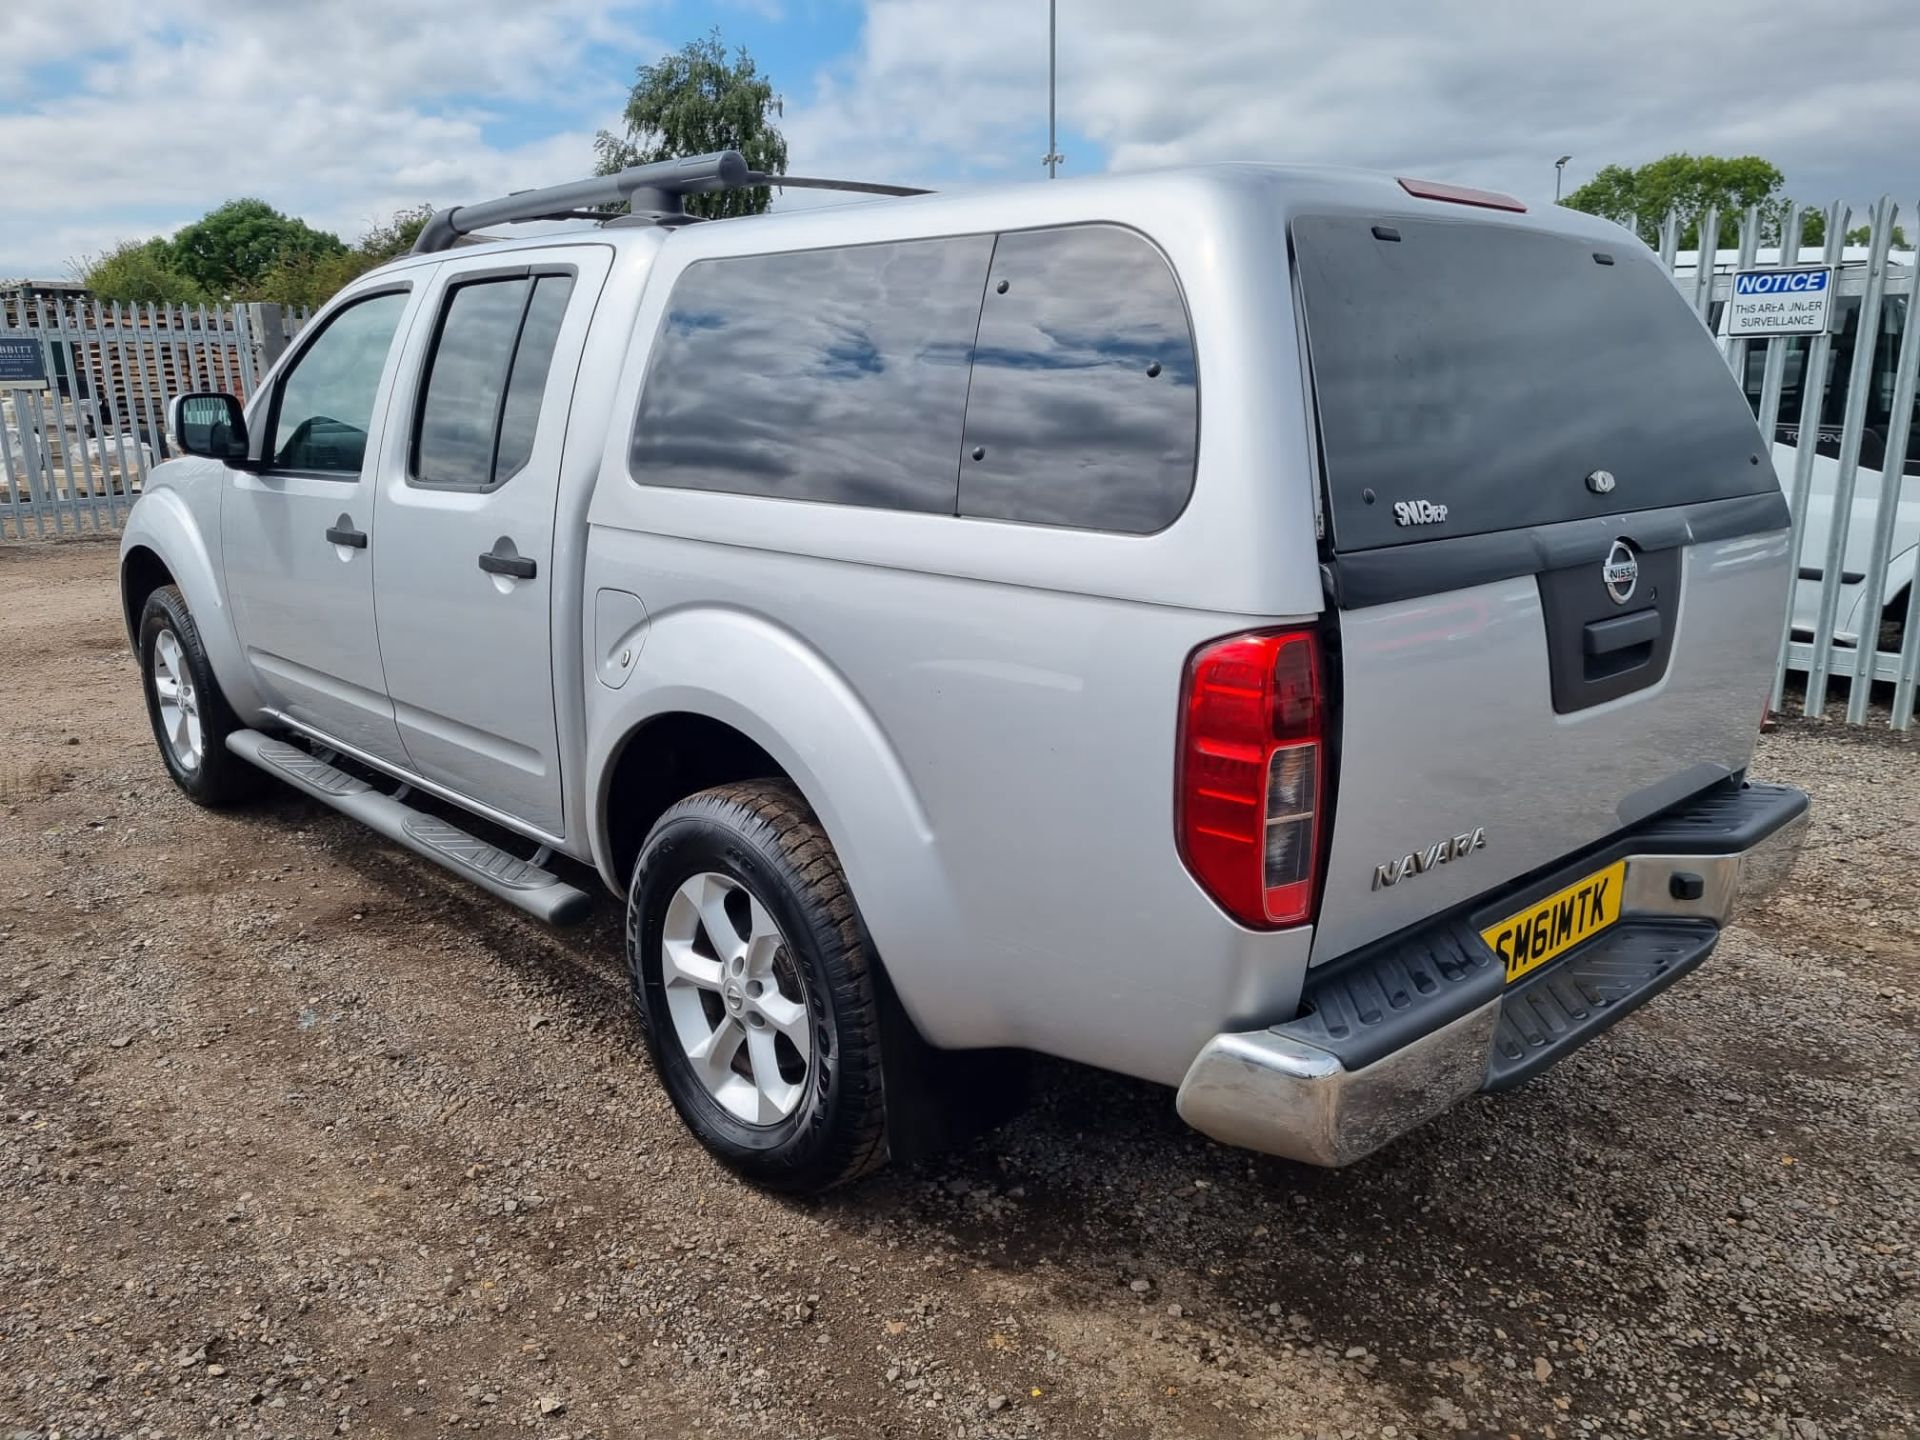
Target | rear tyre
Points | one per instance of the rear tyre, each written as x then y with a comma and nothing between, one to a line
191,718
754,982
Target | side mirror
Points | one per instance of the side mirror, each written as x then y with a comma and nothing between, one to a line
210,424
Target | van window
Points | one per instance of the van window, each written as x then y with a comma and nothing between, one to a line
1084,409
1487,370
1839,370
480,402
835,375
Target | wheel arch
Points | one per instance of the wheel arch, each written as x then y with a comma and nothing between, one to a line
142,572
164,543
765,704
1898,587
658,763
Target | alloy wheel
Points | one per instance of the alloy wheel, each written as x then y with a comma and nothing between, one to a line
736,999
179,702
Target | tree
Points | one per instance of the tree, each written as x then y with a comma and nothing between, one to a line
227,251
139,272
1863,235
1687,185
693,102
1813,231
310,280
299,271
394,238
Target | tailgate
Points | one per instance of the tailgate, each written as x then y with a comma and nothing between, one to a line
1557,551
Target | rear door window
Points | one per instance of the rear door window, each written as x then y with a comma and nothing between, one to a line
480,404
1084,409
1488,370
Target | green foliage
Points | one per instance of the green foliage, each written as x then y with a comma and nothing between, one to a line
228,251
1813,231
394,238
140,272
301,279
307,280
693,102
1863,235
306,270
1687,185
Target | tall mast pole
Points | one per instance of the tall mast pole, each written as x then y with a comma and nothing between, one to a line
1054,157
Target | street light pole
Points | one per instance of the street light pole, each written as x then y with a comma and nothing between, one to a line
1053,156
1559,169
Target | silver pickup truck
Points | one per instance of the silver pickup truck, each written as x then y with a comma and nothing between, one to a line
1297,636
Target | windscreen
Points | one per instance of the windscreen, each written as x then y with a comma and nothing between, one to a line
1472,377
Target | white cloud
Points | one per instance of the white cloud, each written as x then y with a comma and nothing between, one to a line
339,112
1487,92
344,110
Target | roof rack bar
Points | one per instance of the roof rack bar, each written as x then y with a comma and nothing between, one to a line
652,190
809,182
656,186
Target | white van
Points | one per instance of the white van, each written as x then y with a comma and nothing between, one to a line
1898,576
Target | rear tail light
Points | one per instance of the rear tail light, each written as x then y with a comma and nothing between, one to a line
1253,775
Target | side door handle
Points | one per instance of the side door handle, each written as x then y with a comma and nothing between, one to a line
341,532
504,559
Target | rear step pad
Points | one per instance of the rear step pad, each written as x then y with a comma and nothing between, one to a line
540,893
1366,1011
1563,1005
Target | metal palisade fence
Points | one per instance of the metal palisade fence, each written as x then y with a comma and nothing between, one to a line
1838,404
84,387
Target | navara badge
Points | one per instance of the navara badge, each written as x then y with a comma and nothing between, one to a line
1454,847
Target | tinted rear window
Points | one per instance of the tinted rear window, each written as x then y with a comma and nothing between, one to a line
1084,405
834,375
1490,370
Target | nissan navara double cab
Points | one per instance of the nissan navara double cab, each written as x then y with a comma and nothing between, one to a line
1294,635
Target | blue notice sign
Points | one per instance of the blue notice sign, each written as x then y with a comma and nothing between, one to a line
1780,302
23,364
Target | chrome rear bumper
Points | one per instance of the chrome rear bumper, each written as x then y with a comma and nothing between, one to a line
1294,1089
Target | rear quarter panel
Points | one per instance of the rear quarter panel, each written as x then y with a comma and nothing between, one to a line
994,766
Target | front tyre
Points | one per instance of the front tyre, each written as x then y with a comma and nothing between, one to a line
191,717
753,979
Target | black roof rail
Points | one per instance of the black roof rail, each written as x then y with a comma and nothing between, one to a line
654,193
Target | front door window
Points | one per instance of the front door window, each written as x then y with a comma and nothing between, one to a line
326,400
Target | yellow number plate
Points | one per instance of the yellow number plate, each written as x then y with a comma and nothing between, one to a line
1558,923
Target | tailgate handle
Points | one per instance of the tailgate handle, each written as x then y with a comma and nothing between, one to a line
1622,632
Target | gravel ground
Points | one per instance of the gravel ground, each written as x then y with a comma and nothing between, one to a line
298,1136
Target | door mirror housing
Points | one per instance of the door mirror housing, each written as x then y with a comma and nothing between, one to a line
211,424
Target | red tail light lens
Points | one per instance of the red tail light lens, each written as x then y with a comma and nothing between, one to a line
1460,194
1252,774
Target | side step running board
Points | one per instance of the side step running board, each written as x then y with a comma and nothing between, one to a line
540,893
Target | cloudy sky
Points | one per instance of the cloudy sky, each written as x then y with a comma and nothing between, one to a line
125,118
